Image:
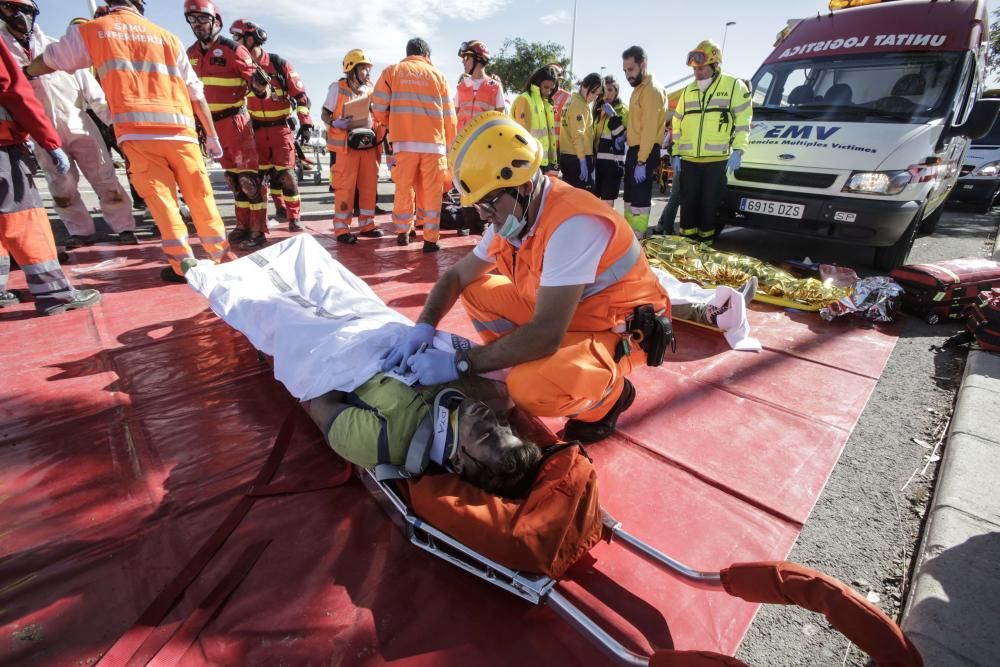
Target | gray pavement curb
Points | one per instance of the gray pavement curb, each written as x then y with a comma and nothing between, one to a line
954,605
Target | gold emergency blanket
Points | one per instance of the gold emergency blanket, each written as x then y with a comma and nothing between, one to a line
703,264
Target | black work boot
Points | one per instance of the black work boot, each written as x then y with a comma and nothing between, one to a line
75,241
168,275
402,239
430,246
347,238
83,298
294,226
373,234
237,235
8,299
587,432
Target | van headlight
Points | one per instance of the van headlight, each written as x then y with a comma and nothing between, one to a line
990,169
878,182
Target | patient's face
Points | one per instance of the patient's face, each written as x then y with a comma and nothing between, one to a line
480,433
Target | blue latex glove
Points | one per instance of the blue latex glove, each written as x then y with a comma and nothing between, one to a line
341,123
735,160
59,160
620,143
640,173
584,170
433,367
397,356
675,164
608,109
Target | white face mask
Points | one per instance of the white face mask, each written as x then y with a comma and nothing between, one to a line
511,229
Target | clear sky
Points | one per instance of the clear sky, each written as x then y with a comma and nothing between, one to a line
314,35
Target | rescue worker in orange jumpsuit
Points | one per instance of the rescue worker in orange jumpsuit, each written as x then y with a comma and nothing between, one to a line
229,74
355,169
154,97
411,100
556,288
271,117
25,231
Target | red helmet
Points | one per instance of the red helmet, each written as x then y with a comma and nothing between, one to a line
242,27
202,7
476,49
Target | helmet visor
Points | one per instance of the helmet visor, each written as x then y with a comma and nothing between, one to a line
697,58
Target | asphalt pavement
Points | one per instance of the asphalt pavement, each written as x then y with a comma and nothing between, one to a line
869,522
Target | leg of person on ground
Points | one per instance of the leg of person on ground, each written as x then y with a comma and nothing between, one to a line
429,187
25,233
404,174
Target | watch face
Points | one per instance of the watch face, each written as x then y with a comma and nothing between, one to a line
463,366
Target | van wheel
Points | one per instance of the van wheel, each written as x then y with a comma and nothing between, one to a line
889,257
929,224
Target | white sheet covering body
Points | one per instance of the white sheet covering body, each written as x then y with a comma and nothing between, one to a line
733,322
322,324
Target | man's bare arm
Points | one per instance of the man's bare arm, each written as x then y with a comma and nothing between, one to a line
539,337
37,67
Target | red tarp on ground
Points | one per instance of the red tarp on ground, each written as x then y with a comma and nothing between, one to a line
128,432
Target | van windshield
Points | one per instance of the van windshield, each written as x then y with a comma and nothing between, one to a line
892,88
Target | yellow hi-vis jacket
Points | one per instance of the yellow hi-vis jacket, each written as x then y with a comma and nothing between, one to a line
708,126
535,115
647,117
577,136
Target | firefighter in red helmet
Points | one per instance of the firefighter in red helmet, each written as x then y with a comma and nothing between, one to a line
229,74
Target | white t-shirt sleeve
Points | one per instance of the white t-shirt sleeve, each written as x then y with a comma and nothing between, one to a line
482,249
500,102
196,89
332,95
69,53
574,252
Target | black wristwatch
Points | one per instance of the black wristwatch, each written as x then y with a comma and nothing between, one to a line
24,71
463,364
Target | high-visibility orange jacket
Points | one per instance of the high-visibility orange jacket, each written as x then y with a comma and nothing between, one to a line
624,278
560,99
288,90
411,100
135,61
336,139
21,113
225,68
475,101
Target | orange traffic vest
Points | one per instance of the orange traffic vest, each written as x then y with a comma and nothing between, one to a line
474,101
336,139
624,279
411,99
135,60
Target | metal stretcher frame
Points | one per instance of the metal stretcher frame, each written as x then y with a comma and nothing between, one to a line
535,588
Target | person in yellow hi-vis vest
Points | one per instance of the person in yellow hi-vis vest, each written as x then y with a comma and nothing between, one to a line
150,87
532,109
710,128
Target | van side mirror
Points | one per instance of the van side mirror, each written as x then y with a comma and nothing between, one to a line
980,121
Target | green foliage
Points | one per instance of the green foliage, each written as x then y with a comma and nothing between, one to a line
993,55
519,59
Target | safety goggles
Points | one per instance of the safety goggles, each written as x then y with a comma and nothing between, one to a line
696,58
199,19
19,9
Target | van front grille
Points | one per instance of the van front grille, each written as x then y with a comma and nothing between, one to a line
801,179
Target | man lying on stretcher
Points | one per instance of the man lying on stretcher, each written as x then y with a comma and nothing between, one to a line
381,421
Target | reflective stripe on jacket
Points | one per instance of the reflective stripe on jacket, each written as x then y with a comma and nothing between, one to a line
647,116
536,116
624,279
711,124
225,69
607,129
411,99
475,101
135,62
577,136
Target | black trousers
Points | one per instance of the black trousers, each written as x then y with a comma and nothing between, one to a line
569,165
703,185
668,219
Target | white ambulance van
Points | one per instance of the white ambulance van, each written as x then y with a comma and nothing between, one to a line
861,118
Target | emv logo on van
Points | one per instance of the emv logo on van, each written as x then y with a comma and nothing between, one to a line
800,132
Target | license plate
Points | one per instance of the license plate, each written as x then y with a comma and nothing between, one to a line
765,207
969,186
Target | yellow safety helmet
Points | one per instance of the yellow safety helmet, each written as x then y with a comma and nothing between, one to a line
491,152
706,53
354,58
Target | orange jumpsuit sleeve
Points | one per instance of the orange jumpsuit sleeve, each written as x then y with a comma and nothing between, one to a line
297,92
381,97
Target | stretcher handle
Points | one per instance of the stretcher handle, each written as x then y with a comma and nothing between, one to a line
781,582
613,531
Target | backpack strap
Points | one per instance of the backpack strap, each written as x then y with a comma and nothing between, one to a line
279,68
